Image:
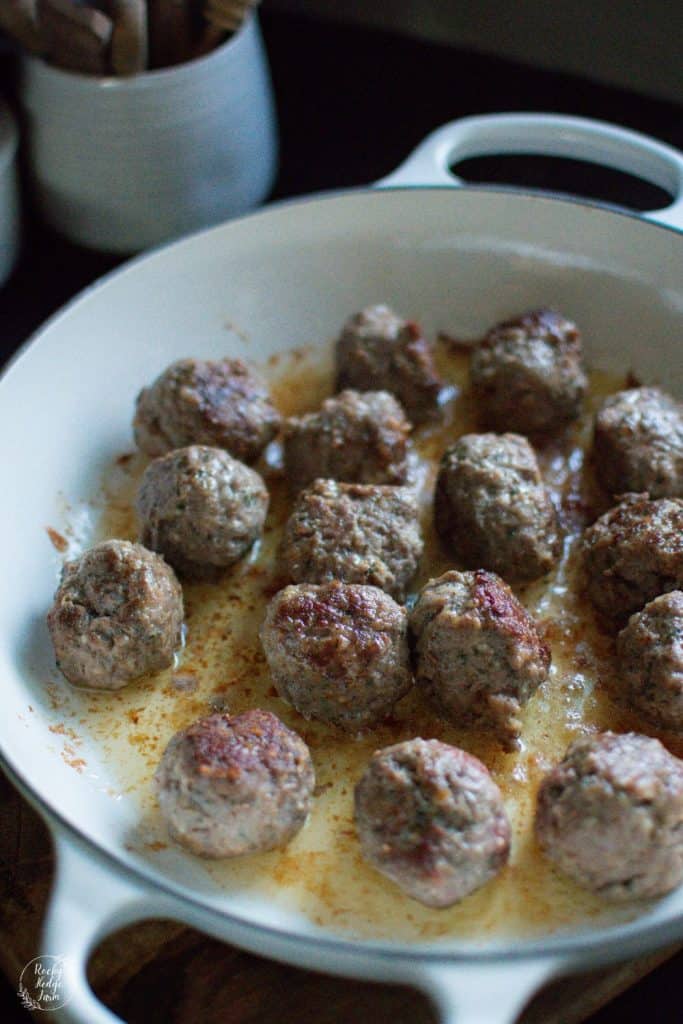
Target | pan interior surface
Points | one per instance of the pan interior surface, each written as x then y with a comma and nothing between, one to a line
281,280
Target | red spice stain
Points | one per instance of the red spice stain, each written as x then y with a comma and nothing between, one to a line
69,757
233,328
64,730
59,542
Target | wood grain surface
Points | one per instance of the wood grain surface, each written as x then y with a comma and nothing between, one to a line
160,971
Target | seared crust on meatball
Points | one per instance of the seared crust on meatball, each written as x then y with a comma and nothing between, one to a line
378,350
610,815
492,507
220,403
234,785
478,653
430,817
355,533
356,437
201,509
633,553
650,652
527,373
117,615
638,443
338,652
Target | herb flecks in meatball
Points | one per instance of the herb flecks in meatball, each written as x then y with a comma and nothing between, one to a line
638,443
650,655
478,653
219,403
354,533
632,554
356,437
117,615
202,509
338,652
228,785
430,818
492,508
378,350
527,373
610,816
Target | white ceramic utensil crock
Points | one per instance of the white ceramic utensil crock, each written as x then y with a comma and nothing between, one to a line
289,275
121,164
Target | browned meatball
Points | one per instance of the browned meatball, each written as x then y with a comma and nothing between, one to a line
478,653
338,652
233,785
219,403
527,373
639,443
650,651
378,350
610,815
201,509
355,533
634,553
360,438
431,818
117,615
492,507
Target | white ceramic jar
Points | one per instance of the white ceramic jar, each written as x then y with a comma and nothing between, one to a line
121,164
9,193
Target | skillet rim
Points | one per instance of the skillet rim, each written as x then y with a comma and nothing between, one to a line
610,943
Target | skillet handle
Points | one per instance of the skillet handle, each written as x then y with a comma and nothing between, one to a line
88,902
546,135
485,994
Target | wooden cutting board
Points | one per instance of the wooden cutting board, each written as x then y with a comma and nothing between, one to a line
163,972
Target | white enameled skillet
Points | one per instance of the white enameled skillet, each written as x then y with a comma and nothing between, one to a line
451,256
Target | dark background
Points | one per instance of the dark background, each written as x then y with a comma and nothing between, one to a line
352,103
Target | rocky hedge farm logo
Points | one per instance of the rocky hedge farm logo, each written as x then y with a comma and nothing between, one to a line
42,985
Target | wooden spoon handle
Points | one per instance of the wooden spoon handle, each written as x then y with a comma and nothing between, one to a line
129,37
211,37
18,19
228,14
76,38
171,30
